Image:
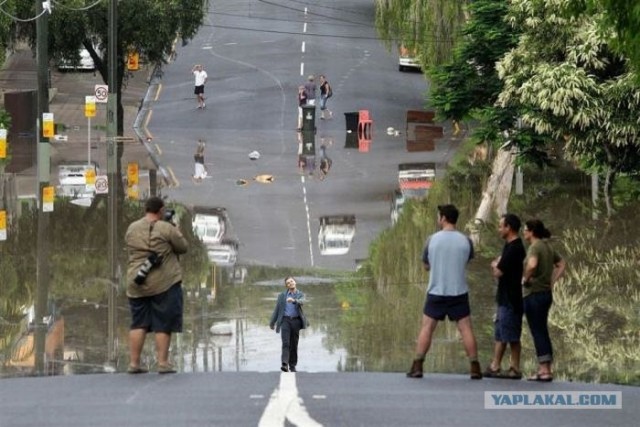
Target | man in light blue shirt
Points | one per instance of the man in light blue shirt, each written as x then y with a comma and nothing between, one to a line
445,256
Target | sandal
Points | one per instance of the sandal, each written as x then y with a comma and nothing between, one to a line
543,378
137,370
513,374
491,373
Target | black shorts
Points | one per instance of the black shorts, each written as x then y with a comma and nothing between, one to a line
438,307
158,313
199,90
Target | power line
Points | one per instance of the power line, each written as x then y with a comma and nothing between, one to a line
15,18
80,9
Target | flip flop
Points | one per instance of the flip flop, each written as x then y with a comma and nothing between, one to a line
490,373
513,374
137,370
543,378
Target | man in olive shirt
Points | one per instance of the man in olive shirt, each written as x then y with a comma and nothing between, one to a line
154,284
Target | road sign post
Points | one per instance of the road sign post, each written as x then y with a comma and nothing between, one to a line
89,111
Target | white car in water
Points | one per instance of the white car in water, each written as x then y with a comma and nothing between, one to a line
209,225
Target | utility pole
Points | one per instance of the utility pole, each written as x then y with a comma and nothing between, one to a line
44,175
112,131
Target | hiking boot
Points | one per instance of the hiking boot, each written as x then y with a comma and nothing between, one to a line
416,369
475,371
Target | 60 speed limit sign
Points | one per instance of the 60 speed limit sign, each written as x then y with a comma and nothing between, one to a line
101,93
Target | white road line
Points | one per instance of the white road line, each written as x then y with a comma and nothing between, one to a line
306,208
303,46
302,68
304,27
285,404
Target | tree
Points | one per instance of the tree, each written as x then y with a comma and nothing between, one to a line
570,84
429,27
625,16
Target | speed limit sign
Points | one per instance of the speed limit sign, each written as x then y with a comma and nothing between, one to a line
101,93
102,184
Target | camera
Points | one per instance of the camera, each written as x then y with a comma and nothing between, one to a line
152,260
168,215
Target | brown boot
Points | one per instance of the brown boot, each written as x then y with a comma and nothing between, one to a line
475,371
416,369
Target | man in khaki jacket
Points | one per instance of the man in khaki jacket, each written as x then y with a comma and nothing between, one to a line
154,284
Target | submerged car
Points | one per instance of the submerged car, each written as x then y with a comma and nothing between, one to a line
223,254
209,224
336,234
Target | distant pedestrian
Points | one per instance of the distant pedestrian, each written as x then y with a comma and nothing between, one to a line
200,170
446,254
200,79
154,284
288,319
325,161
302,100
310,90
507,268
326,92
542,268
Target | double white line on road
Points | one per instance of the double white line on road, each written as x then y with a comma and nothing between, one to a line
285,404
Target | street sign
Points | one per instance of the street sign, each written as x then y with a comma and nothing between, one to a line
48,194
3,225
101,93
90,176
132,174
47,125
3,143
102,184
133,59
89,106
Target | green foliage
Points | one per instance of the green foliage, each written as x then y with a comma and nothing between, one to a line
430,27
599,298
625,17
571,85
469,81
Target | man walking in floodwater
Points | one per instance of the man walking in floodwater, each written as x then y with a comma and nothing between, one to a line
446,254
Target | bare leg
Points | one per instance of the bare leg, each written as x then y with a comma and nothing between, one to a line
425,335
468,339
499,349
136,343
516,349
163,341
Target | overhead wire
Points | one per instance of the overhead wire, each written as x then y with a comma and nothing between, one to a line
79,9
15,18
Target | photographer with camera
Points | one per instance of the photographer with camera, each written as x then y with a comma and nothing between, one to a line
154,283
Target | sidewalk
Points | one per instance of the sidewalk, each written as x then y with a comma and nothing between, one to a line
67,100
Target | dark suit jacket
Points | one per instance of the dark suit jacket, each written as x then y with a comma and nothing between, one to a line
278,312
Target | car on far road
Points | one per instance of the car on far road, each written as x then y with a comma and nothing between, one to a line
407,59
209,224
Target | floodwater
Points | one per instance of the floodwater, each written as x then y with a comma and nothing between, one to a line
355,325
